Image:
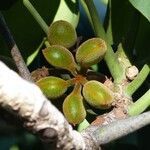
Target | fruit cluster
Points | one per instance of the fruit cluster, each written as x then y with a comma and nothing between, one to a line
61,37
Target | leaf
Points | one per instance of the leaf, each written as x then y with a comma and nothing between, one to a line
142,6
7,4
31,58
121,24
25,29
121,15
142,47
68,10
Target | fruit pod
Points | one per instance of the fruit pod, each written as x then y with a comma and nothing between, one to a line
62,33
52,87
73,107
91,52
59,56
97,94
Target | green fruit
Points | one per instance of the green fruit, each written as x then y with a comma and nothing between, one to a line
73,107
61,57
91,52
62,33
52,87
97,94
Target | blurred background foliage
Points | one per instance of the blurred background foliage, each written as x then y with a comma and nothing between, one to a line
129,25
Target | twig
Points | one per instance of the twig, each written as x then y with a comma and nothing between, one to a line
137,82
16,55
118,129
36,15
140,105
40,117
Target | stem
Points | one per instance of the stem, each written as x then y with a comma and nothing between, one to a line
108,22
36,15
117,129
137,82
47,44
140,105
83,125
87,12
16,55
98,27
110,57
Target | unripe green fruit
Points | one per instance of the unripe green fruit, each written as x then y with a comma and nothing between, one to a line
97,94
73,107
52,87
91,52
61,57
62,33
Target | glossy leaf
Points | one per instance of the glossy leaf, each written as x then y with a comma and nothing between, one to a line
116,24
52,87
62,33
59,56
91,52
142,6
73,107
97,94
7,4
69,11
19,19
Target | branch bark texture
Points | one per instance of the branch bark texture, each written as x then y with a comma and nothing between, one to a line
40,117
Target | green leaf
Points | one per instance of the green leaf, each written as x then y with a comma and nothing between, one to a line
118,19
68,10
26,30
31,58
142,47
7,4
142,6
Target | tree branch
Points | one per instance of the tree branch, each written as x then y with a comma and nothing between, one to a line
16,55
39,115
115,130
26,100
